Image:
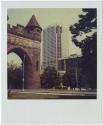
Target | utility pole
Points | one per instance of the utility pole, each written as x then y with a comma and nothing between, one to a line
56,53
23,72
64,64
76,68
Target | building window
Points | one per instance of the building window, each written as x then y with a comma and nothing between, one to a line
37,66
38,30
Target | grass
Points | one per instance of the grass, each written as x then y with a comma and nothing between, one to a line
31,96
17,95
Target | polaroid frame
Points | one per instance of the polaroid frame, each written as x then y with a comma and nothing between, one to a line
51,111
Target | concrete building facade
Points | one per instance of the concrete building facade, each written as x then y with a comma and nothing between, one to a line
52,48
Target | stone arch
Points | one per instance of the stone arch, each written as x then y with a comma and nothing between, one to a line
30,75
26,62
21,53
23,42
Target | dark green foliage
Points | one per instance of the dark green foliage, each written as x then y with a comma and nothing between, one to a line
69,80
14,77
66,80
87,24
50,78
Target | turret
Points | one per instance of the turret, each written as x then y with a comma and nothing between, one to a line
34,29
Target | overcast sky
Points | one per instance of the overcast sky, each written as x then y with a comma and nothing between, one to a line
45,17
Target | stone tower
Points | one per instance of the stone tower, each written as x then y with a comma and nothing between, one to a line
34,29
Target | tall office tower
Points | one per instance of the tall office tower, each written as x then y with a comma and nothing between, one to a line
52,49
58,38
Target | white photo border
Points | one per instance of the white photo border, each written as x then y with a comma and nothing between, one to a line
51,111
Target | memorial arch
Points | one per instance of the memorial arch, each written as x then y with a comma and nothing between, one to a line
26,42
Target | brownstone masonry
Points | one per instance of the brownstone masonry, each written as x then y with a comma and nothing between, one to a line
25,42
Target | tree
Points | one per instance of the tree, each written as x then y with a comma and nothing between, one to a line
87,26
69,79
66,80
14,77
50,78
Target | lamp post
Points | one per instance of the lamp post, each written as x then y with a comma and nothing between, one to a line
76,68
23,72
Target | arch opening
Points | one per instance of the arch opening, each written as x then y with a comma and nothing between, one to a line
15,77
18,63
21,53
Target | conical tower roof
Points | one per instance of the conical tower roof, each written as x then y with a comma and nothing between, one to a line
33,22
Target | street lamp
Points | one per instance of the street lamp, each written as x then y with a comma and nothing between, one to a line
23,64
76,68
